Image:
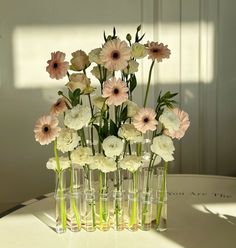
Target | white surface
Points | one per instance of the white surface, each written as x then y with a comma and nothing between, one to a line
201,214
185,25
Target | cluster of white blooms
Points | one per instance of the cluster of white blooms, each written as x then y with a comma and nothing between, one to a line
131,163
163,146
112,146
130,133
64,163
103,163
132,108
67,140
82,156
77,117
170,120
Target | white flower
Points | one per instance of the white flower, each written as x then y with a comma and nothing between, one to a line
77,117
103,163
96,73
63,161
79,61
132,108
78,81
163,146
82,156
170,120
130,133
138,51
112,146
99,102
132,67
131,163
67,140
94,56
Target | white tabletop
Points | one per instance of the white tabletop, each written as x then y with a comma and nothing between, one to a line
201,213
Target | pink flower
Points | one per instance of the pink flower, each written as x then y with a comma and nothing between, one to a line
157,51
184,124
57,66
115,55
58,107
115,91
144,120
46,129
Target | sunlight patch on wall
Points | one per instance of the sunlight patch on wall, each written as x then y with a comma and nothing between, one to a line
32,46
192,53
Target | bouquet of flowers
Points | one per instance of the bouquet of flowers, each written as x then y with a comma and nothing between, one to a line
105,130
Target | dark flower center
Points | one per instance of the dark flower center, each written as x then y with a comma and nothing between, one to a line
156,50
146,119
115,55
116,91
45,129
55,65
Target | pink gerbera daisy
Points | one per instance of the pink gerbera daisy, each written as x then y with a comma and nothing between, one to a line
145,120
157,51
115,91
59,107
184,124
57,66
115,55
46,129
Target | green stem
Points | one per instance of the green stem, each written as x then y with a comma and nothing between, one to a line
162,195
144,209
61,194
139,149
102,202
133,220
82,136
148,84
91,108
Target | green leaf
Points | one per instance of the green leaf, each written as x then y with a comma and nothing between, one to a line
113,128
76,93
104,131
133,82
70,94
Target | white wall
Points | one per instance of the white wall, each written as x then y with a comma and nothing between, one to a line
200,34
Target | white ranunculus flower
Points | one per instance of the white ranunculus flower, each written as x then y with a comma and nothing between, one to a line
52,164
130,133
163,146
131,163
132,67
78,81
138,51
99,102
80,60
77,117
103,163
96,73
112,146
67,140
132,108
94,56
170,120
82,156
